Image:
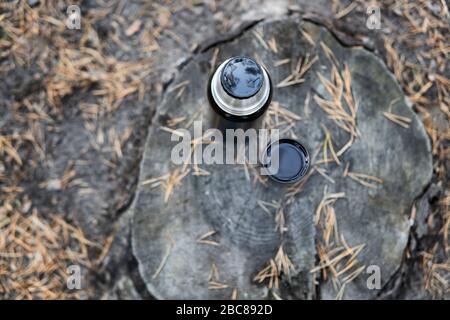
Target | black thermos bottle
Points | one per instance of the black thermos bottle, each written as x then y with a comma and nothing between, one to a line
239,92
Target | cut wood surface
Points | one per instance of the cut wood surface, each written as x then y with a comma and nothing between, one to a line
216,231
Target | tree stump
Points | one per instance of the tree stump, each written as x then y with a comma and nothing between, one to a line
368,190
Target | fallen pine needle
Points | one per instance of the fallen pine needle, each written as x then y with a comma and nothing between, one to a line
203,239
281,62
234,294
214,285
400,120
163,261
362,178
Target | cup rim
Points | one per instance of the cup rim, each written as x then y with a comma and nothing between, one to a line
301,147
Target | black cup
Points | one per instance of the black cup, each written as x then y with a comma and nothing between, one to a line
293,161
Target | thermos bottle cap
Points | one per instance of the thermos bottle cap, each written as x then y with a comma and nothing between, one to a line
242,77
293,161
241,88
